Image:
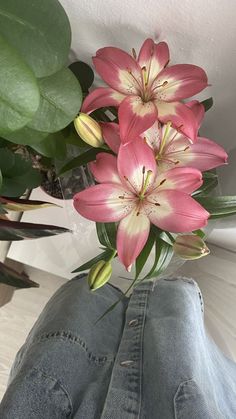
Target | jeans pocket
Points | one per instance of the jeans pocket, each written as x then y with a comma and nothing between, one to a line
191,402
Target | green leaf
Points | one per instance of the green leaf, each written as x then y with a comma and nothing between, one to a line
220,206
84,74
208,185
3,143
107,234
200,234
19,93
26,136
103,256
18,280
163,255
167,237
7,160
0,179
14,230
207,103
60,102
143,256
82,159
117,302
19,177
39,30
210,174
53,145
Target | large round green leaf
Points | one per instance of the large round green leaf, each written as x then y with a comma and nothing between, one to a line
26,136
7,160
52,146
39,30
60,102
84,73
18,176
19,93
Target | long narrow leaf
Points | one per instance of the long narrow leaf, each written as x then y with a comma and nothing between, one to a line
117,302
164,253
17,204
220,206
15,230
142,258
103,256
207,103
107,234
80,160
11,277
208,185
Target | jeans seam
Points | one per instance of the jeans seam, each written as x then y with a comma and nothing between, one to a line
67,336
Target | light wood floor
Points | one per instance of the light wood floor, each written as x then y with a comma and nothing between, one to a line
18,316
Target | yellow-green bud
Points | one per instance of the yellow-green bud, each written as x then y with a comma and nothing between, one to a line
99,274
89,130
190,246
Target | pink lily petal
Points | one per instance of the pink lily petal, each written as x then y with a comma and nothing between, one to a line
132,235
203,155
179,82
111,135
104,168
118,69
185,179
153,136
100,97
104,203
135,117
181,117
135,159
154,57
198,109
175,211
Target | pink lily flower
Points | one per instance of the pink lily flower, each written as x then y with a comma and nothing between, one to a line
174,149
144,89
132,193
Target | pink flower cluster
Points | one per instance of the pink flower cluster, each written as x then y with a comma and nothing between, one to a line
158,156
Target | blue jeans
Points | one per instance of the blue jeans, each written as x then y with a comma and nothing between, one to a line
148,358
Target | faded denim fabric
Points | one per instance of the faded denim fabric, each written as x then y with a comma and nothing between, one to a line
149,358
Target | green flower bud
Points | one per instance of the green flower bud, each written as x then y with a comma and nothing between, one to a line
190,246
89,130
99,274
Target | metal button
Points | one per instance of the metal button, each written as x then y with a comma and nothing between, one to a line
133,322
126,363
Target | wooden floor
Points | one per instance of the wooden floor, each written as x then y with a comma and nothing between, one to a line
18,316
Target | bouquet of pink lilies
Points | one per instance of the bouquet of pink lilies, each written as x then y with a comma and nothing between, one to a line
153,172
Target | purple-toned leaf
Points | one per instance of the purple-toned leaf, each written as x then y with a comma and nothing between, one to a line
17,204
11,277
15,230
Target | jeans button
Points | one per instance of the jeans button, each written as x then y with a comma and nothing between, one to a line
133,322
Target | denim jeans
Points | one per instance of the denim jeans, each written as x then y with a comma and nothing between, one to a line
148,358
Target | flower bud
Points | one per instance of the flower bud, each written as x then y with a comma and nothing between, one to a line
89,130
99,274
190,246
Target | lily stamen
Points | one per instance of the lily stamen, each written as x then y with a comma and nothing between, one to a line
145,185
134,53
168,125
